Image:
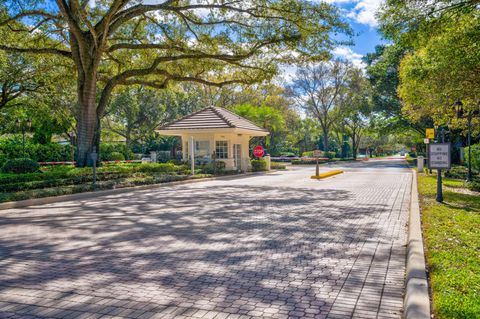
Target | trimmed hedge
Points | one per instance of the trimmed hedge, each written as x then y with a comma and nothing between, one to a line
58,176
276,165
51,152
259,165
20,166
111,151
308,162
219,168
114,156
102,185
473,185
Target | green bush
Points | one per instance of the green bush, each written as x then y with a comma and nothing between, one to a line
115,156
475,150
473,185
210,168
307,154
106,150
51,152
20,165
259,165
161,168
276,165
329,155
457,172
307,162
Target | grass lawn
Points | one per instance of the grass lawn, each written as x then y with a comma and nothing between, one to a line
452,239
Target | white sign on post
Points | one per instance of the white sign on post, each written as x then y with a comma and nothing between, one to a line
439,156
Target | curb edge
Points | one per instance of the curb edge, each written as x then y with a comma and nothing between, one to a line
417,300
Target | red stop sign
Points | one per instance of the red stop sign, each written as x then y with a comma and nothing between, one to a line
258,151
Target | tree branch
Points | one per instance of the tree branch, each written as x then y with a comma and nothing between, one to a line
30,13
63,53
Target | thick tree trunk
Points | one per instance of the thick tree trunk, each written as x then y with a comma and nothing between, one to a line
87,121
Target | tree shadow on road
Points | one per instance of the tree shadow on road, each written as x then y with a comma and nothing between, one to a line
232,249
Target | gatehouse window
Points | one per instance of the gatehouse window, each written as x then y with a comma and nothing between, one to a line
221,149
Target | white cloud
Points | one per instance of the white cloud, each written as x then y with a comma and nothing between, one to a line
364,12
349,55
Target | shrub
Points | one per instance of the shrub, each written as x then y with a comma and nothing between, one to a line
161,168
473,185
475,150
106,150
329,155
308,162
115,156
20,165
457,172
307,154
51,152
210,168
275,165
259,165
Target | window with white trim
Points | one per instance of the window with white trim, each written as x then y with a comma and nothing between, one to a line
221,149
202,149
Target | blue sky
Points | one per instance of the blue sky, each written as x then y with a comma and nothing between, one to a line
361,14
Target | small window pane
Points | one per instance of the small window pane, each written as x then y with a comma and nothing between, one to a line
221,149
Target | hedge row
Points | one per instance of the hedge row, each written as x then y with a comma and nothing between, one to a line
105,172
54,152
51,152
103,185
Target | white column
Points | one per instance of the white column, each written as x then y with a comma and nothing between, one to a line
192,156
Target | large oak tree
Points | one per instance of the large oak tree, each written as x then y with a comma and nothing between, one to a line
152,43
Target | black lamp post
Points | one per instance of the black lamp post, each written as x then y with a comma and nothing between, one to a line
23,125
469,116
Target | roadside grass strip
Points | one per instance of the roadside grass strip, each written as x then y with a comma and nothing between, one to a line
452,246
327,174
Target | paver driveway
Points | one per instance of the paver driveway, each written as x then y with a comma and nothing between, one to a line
278,245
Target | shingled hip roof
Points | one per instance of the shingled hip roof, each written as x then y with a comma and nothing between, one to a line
211,118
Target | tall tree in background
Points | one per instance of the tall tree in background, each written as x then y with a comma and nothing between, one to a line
135,112
125,42
355,107
266,117
317,89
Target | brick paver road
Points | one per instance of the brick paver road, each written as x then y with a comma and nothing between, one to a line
278,245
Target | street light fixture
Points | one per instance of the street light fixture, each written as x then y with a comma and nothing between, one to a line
469,116
24,126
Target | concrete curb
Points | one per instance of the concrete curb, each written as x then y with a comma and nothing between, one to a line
417,301
88,195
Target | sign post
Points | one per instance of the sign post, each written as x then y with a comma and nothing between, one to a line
317,154
439,158
258,151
